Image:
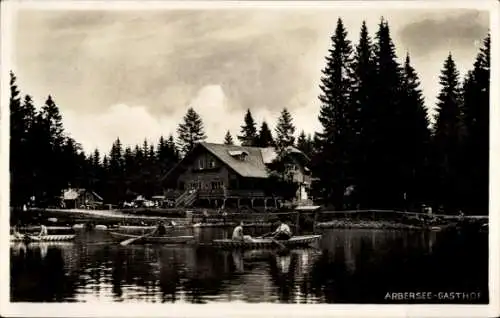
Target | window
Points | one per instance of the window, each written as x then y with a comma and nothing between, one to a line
201,164
211,164
217,185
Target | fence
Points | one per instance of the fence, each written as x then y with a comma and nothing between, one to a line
253,218
315,217
392,215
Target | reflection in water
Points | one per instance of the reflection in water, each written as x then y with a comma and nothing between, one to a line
358,266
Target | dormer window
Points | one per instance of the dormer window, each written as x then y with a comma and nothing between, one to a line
239,154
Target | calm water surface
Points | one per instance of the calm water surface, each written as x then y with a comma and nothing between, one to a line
347,266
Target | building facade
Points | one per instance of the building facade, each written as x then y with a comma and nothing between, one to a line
218,175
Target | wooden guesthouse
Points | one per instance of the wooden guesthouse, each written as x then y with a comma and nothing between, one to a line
218,175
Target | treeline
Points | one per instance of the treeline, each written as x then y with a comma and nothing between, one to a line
377,147
44,159
377,140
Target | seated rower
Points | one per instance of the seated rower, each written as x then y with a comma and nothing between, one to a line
15,232
283,232
160,230
238,234
43,230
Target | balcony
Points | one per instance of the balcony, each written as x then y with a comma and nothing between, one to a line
229,193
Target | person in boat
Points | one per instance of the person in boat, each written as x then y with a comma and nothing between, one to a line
43,230
16,233
238,234
161,229
205,216
283,232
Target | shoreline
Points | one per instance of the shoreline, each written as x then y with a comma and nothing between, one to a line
115,217
379,225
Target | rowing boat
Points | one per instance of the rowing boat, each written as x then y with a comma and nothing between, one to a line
218,224
137,227
45,238
154,239
258,243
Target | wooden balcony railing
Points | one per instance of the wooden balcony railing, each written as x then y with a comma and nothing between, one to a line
229,193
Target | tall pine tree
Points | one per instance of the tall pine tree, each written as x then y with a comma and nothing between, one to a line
265,138
305,143
191,131
362,115
332,162
248,135
415,150
228,139
285,130
448,137
16,135
51,149
476,144
383,156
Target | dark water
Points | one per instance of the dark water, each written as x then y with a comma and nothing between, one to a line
348,266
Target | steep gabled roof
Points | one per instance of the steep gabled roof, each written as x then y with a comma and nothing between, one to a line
253,165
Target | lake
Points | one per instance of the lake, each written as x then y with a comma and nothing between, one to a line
347,266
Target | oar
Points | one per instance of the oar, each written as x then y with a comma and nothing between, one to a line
32,238
131,240
264,235
278,243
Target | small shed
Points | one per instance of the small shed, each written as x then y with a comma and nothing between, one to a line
81,198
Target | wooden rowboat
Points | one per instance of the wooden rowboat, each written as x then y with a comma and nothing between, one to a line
49,228
260,243
137,227
218,224
45,238
154,239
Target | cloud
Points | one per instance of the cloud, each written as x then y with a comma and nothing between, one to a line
442,31
130,123
152,65
133,123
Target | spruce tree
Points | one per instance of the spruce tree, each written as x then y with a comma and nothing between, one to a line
51,140
16,135
191,131
305,143
265,138
384,171
116,171
25,150
448,136
173,150
53,122
285,130
363,115
248,135
475,170
228,139
415,132
332,162
96,158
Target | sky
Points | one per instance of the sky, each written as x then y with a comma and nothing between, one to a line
133,74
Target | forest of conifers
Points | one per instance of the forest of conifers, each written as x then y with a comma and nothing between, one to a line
377,138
